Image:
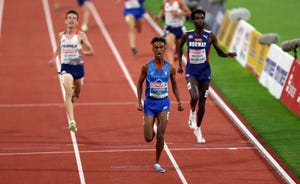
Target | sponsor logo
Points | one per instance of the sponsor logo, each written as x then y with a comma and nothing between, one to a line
158,85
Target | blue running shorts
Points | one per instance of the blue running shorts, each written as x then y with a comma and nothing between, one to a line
138,13
177,31
153,106
77,71
80,2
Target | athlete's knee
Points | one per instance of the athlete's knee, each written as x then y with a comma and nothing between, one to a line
148,138
77,92
194,95
193,91
68,94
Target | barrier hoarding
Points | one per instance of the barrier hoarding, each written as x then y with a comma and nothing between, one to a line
257,54
241,41
291,92
277,66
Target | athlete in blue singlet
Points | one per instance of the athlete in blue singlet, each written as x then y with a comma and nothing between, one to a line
198,73
157,73
134,13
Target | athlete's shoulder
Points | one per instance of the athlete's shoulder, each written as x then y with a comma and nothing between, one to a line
147,64
190,31
207,31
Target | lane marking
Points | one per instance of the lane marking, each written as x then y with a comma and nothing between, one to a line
236,120
1,15
129,150
54,45
129,79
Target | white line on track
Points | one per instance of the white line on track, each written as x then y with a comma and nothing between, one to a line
1,15
128,150
129,79
54,45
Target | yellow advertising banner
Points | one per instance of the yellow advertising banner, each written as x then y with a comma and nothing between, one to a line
257,54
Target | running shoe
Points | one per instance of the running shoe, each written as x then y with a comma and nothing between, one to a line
72,126
134,51
56,7
73,98
158,168
192,120
198,134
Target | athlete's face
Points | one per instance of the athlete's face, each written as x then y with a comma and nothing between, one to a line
199,20
158,49
71,20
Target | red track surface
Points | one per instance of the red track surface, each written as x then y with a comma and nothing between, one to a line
36,147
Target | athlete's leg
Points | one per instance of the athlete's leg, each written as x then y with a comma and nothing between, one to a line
148,128
203,93
130,19
85,14
176,48
192,85
162,121
68,85
77,87
171,46
139,25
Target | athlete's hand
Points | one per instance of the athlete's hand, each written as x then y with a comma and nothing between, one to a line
51,63
180,108
139,106
231,54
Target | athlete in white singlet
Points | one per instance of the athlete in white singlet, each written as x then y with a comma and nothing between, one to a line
174,12
70,49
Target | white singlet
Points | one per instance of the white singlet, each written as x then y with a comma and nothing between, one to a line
172,20
69,50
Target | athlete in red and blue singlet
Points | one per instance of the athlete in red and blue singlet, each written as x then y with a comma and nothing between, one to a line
198,72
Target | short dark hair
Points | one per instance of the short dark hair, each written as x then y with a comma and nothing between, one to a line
197,11
158,39
72,12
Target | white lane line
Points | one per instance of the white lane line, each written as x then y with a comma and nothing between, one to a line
129,79
129,150
1,15
54,45
236,120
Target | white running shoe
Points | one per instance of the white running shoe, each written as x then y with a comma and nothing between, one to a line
198,134
192,120
158,168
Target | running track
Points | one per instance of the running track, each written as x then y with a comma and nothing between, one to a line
35,145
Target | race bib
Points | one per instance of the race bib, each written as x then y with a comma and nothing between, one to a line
158,89
197,56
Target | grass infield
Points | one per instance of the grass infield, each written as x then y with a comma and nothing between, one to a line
278,127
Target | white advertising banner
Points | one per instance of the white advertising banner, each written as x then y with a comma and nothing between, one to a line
276,69
241,41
